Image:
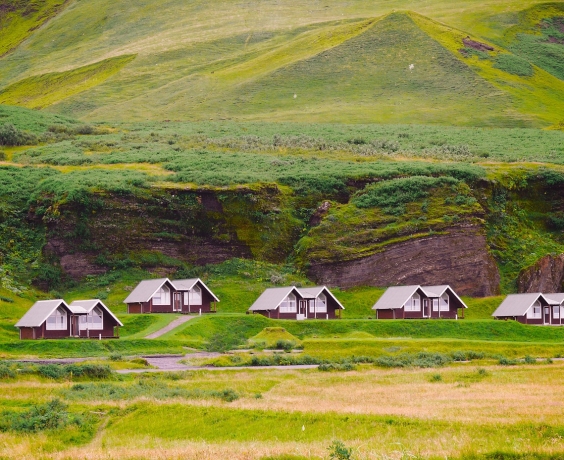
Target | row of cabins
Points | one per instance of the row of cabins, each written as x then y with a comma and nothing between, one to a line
92,319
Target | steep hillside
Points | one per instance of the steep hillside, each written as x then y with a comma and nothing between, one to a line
19,18
357,62
346,205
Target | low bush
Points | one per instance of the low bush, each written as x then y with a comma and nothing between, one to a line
146,387
423,360
58,372
338,451
514,65
504,361
286,345
344,366
6,372
10,135
393,195
49,416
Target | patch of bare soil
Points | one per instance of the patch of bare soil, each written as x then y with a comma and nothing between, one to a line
478,46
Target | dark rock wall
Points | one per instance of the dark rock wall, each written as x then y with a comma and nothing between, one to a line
459,257
198,227
547,275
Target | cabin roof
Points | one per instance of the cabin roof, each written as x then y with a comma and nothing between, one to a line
437,291
517,304
313,293
86,306
145,290
187,284
555,298
395,297
40,311
271,298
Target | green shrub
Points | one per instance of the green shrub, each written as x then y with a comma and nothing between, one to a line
344,366
6,372
10,135
514,65
423,360
436,378
393,195
286,345
504,361
338,451
49,416
530,360
58,372
117,356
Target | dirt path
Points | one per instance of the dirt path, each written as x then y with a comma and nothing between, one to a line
174,324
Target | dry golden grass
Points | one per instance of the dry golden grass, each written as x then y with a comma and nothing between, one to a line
505,395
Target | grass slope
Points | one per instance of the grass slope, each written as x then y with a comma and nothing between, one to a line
43,90
209,62
18,20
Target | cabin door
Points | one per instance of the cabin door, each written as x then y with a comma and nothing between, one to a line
302,309
177,301
74,332
546,315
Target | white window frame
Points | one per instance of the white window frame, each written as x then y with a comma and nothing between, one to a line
57,321
195,295
93,321
535,312
163,292
320,304
444,302
435,304
414,303
556,311
289,304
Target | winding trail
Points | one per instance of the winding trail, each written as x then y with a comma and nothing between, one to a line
174,324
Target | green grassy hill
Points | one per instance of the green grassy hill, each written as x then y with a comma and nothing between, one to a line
288,62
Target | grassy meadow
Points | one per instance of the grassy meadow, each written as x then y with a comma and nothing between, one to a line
459,412
243,143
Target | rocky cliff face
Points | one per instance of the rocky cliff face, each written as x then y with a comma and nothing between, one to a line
198,227
459,257
547,275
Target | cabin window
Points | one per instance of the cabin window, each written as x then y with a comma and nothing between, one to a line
193,296
289,304
435,304
162,296
57,321
556,311
443,302
319,305
535,312
196,296
413,304
93,320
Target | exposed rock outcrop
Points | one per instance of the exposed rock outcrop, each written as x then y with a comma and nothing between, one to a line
546,275
458,257
196,226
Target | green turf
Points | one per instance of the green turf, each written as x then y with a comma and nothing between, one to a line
343,63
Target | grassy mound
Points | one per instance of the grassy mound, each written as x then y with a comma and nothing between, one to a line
269,336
